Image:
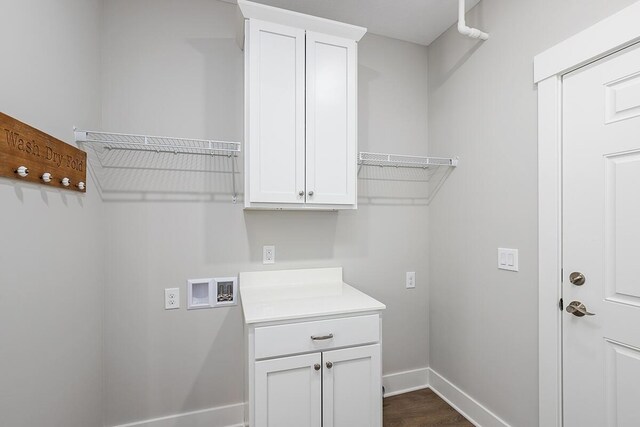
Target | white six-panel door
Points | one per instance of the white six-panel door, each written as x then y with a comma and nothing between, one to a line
288,392
601,240
351,389
276,111
331,131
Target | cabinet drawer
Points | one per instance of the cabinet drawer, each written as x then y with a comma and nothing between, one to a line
272,341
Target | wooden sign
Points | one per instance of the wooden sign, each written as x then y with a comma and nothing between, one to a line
27,154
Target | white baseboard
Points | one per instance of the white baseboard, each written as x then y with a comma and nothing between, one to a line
396,383
223,416
406,381
470,408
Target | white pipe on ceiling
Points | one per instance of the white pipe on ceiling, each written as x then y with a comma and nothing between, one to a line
474,33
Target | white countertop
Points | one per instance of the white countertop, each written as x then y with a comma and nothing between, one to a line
297,294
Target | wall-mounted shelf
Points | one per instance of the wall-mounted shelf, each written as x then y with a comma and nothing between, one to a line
404,177
403,161
159,144
128,164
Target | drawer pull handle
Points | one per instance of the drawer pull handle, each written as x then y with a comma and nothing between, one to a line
322,337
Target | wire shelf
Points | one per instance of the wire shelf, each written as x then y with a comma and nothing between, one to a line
158,144
126,163
403,161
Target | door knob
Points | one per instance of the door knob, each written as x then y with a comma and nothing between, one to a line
301,193
317,366
577,278
578,309
329,365
310,193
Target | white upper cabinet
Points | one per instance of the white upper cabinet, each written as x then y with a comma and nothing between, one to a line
300,110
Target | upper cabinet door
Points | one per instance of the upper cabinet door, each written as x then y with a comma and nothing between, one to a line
331,120
276,113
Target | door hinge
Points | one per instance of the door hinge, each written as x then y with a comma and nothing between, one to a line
561,305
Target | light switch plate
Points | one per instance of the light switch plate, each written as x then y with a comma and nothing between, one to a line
508,259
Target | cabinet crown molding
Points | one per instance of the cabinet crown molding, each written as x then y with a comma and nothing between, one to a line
252,10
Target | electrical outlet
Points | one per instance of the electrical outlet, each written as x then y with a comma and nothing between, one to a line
411,279
268,254
171,298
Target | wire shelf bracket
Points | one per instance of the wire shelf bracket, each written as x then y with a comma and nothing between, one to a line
162,144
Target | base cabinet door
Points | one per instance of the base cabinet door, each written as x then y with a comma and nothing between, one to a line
352,389
288,392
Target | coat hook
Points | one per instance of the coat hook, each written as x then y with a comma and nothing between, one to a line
46,177
22,171
65,181
81,185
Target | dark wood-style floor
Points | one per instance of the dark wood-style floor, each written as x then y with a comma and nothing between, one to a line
422,408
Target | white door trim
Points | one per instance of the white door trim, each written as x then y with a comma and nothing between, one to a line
612,34
607,36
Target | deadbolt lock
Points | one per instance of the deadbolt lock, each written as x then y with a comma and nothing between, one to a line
577,278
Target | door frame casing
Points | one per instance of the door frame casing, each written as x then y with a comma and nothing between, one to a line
607,36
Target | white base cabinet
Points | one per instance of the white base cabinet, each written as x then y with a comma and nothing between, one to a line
336,383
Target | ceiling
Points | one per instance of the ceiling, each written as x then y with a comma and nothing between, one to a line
418,21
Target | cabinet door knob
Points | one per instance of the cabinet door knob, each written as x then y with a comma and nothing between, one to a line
301,193
310,193
329,365
317,366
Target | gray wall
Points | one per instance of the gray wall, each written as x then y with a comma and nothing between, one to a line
482,107
51,264
175,70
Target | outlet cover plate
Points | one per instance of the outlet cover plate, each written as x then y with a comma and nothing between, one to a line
411,280
171,298
269,254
